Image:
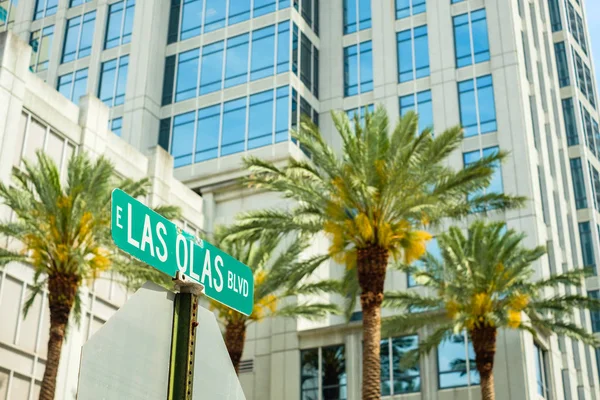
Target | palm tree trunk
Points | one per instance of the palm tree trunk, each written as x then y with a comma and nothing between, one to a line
62,290
235,338
484,344
371,265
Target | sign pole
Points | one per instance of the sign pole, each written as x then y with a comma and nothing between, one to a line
183,341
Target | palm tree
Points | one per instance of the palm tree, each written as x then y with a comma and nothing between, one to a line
371,200
483,283
64,231
277,277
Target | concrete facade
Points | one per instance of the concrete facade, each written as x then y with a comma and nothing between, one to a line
530,125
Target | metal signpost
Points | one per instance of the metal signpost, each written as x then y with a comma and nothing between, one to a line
197,267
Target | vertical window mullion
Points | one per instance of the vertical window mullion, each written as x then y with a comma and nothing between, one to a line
122,30
195,135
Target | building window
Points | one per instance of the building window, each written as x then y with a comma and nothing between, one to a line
236,64
584,79
358,69
453,368
75,3
471,45
576,26
189,18
120,23
113,81
595,180
555,15
357,15
433,249
590,128
587,245
595,314
250,56
233,127
570,122
394,379
7,13
541,377
41,48
73,85
116,125
496,182
44,8
561,64
79,37
578,183
406,8
361,113
413,54
310,14
477,108
323,373
421,104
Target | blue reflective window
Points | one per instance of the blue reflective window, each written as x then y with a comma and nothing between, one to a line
587,245
357,15
578,183
471,44
595,181
594,314
295,49
73,85
570,122
44,8
191,19
211,75
262,7
282,114
555,19
477,108
116,126
239,11
41,48
561,64
588,129
78,37
263,50
120,23
406,8
75,3
413,42
496,182
358,69
183,139
424,108
207,143
236,65
215,15
260,123
361,113
454,360
283,47
187,75
234,127
113,81
394,379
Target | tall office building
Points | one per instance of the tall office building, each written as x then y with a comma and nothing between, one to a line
214,80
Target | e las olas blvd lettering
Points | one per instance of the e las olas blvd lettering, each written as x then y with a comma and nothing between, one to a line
153,239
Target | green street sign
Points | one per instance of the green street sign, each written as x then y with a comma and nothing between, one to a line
153,239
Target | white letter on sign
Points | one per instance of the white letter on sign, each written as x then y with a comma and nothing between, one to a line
182,267
119,209
219,286
130,240
147,236
160,227
193,275
206,270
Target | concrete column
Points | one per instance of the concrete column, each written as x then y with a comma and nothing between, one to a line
144,88
93,119
14,64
